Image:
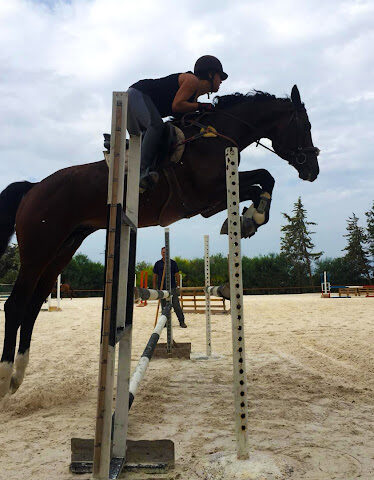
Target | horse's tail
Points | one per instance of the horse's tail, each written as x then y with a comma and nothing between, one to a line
10,198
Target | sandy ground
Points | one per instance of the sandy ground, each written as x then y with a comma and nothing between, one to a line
310,376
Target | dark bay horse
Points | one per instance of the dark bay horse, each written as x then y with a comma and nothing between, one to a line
53,217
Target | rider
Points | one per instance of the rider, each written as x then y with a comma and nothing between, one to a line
152,99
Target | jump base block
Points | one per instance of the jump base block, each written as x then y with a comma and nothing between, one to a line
179,350
148,456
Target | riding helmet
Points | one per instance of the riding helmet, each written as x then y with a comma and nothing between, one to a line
208,63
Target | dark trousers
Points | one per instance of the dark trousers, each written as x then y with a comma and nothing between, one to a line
176,305
144,117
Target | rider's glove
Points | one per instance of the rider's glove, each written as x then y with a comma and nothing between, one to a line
205,107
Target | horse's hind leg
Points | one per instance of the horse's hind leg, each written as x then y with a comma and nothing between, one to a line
43,289
15,310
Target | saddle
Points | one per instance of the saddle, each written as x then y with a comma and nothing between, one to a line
171,150
170,154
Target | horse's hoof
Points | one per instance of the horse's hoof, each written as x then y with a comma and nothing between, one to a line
20,364
14,384
6,369
225,228
248,227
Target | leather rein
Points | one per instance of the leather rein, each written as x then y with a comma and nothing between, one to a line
298,156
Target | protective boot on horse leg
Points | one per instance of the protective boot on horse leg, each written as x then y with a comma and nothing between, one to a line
252,217
257,214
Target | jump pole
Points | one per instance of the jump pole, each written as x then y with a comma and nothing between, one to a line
236,298
146,357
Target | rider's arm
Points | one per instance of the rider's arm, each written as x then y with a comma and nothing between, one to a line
187,88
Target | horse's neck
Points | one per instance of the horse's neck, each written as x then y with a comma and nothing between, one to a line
256,120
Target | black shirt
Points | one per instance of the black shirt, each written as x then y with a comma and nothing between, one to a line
162,92
158,270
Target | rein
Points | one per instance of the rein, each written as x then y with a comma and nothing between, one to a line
298,156
205,131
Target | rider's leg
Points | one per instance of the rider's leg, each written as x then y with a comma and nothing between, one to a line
144,117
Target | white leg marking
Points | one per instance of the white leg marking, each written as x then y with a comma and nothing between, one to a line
6,369
20,365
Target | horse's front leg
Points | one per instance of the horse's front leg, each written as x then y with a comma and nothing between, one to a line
255,185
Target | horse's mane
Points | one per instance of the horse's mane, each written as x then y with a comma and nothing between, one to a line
254,96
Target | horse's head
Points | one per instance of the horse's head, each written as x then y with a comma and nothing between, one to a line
292,140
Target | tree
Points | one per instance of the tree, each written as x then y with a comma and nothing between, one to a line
370,234
296,243
356,256
9,264
337,270
82,273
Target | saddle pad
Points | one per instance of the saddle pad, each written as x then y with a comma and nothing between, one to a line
179,149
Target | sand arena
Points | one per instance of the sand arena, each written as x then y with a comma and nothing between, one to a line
310,365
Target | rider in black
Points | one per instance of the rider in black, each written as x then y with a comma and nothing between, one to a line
152,99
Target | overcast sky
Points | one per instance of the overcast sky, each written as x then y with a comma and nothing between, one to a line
61,60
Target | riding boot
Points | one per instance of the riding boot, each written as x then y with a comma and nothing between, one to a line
150,147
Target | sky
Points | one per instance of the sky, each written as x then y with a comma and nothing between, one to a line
61,61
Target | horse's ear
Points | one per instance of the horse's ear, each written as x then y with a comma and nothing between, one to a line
295,97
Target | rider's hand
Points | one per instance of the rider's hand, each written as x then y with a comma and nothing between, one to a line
205,107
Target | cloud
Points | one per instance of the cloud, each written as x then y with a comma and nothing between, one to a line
60,61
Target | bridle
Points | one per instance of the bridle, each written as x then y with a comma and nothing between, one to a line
297,156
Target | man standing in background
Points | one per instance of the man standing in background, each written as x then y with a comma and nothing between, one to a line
159,282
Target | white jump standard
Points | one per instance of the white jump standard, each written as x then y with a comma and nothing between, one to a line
236,299
207,297
57,308
112,450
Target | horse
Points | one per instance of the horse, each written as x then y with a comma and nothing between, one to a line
65,289
52,218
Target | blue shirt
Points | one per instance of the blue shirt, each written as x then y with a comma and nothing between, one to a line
158,270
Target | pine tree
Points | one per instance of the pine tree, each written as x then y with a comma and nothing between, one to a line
370,231
356,256
296,243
